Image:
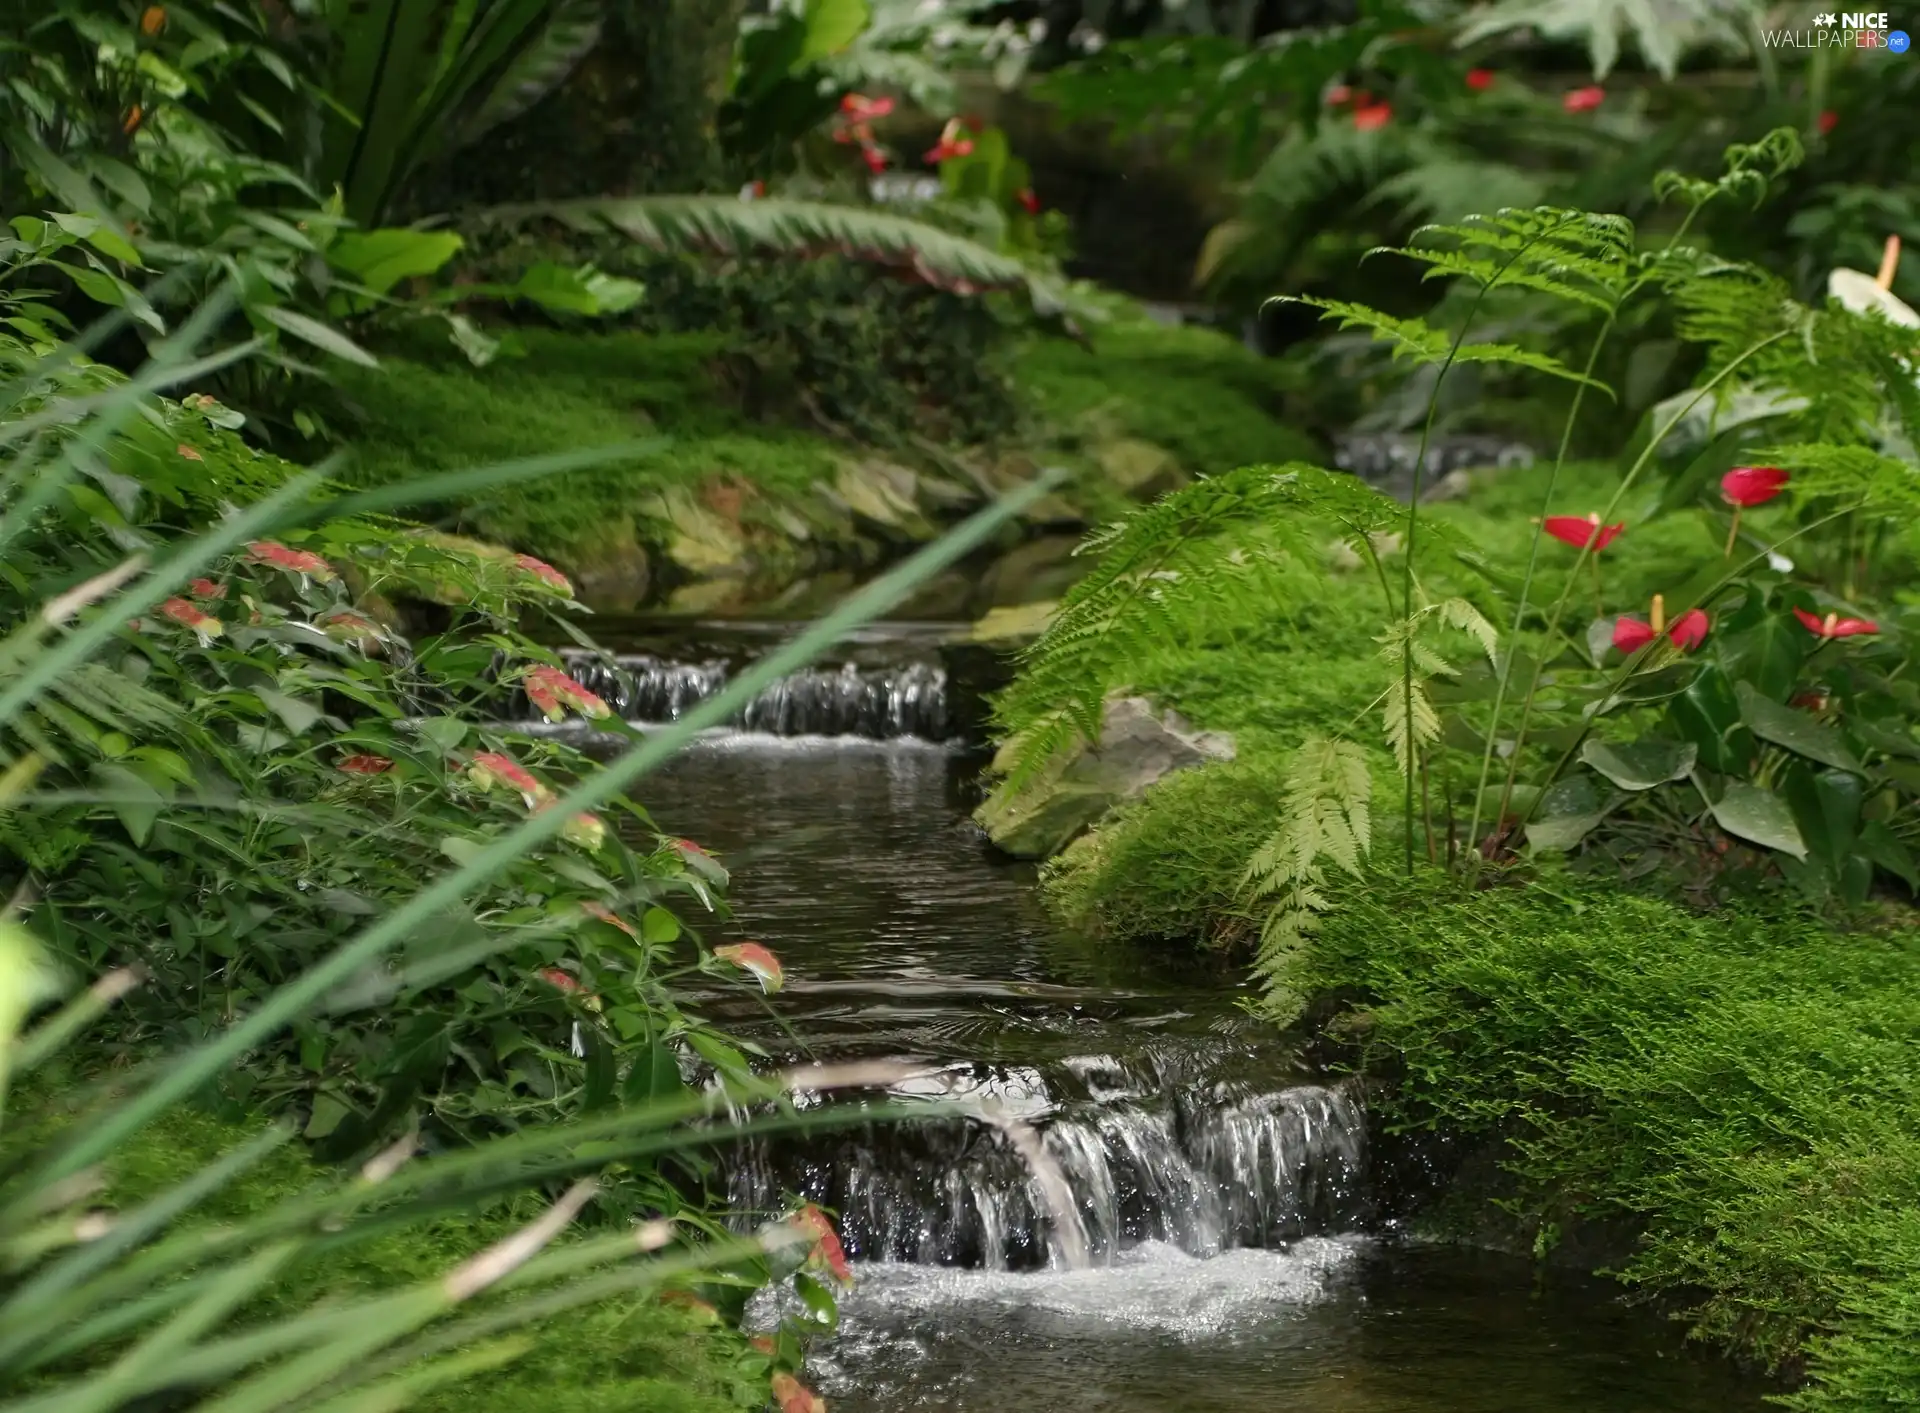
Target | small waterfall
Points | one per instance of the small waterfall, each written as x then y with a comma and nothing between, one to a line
1203,1168
877,702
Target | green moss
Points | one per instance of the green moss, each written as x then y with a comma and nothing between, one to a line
1743,1087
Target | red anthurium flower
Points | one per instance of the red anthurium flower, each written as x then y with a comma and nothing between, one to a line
189,453
1748,486
545,573
1584,100
751,956
303,562
366,765
875,157
827,1250
1814,699
1029,199
1829,120
1689,630
1372,117
207,589
1479,80
792,1396
1579,531
589,831
951,143
188,616
1834,626
489,768
600,912
1686,632
1338,94
861,109
551,691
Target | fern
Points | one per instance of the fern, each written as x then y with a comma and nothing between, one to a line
1325,819
808,228
1662,33
1575,256
1419,341
1854,474
1410,721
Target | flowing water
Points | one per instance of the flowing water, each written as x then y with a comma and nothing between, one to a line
1210,1241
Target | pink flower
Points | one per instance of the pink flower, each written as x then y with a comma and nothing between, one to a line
588,831
1479,80
545,573
874,156
951,144
207,589
366,765
827,1250
600,912
751,956
1584,100
1748,486
1834,626
858,108
1372,117
1338,94
1578,531
1029,199
565,980
293,561
489,768
551,691
187,616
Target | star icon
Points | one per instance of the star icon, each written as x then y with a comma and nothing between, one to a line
1825,20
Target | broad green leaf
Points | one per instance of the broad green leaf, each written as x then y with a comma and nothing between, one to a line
1708,714
659,925
1885,848
831,26
299,716
328,1112
1569,811
445,732
1760,817
381,259
719,1054
1795,730
655,1075
1639,765
1768,654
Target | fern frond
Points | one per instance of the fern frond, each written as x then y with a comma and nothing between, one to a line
1856,474
1578,256
1419,341
1662,33
1458,613
800,228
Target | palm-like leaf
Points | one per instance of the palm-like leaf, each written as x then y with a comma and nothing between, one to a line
1662,30
807,228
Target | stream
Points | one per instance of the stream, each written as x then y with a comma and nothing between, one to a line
1237,1257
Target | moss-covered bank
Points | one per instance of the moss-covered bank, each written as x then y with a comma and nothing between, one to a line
739,500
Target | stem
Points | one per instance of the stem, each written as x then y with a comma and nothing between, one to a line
1426,808
1733,534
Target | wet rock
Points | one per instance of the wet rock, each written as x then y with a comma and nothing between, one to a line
1043,568
700,539
1014,625
1138,746
1139,469
614,579
886,495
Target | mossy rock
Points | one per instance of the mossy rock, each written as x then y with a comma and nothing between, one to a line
1139,469
1015,624
699,538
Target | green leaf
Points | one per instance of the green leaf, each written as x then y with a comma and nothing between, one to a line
328,1112
1885,848
832,25
1768,654
1569,811
1708,714
1760,817
719,1054
444,732
311,331
1640,765
299,716
381,259
1826,806
818,1300
659,925
1795,730
655,1076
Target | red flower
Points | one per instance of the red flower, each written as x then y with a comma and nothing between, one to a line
792,1396
153,19
189,453
1028,198
589,831
1579,531
858,108
566,981
1748,486
352,628
875,158
951,144
207,589
751,956
1687,632
1829,120
366,765
551,691
1584,100
1834,626
545,573
764,1343
187,616
293,561
753,191
489,768
1479,80
600,912
1338,94
827,1250
1372,117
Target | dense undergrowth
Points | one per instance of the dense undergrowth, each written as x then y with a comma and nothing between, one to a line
1741,1084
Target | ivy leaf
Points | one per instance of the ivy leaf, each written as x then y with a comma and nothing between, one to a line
1760,817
